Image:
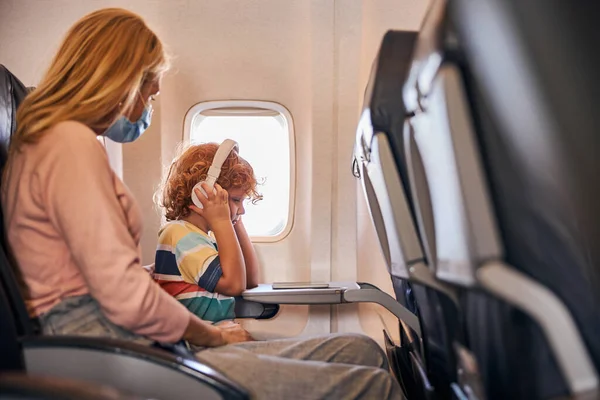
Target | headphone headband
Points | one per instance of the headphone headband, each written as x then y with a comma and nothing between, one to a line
220,156
215,168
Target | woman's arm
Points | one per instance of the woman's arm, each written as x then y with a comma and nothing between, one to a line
250,258
77,191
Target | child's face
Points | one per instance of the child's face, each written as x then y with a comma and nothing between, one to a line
236,204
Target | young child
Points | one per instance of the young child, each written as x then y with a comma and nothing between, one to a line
202,272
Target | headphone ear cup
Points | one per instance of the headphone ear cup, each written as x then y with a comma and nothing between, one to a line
195,199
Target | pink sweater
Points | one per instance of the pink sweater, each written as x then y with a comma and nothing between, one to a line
74,228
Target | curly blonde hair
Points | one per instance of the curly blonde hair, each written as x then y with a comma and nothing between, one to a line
191,167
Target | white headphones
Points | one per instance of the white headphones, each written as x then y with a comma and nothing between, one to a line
215,168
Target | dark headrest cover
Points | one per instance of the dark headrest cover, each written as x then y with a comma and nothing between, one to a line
12,93
384,93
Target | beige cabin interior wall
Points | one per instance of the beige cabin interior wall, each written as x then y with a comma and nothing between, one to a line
312,56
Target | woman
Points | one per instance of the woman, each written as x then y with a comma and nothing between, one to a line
74,228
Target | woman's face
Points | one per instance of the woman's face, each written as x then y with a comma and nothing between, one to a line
150,88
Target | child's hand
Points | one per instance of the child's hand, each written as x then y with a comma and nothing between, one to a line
215,205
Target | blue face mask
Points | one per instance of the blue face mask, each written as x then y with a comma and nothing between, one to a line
124,131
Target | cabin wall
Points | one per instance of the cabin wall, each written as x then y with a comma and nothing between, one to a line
313,57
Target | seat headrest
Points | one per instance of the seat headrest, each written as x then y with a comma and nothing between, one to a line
383,95
12,93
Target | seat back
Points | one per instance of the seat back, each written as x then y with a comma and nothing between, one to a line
380,156
12,93
26,387
382,166
10,348
541,168
14,320
509,140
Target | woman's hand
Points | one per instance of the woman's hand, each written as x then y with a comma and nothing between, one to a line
215,205
232,332
202,333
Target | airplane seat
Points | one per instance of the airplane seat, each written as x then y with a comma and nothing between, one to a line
8,109
381,164
12,93
15,383
15,386
507,129
12,359
147,371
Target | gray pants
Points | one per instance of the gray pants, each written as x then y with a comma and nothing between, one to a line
337,366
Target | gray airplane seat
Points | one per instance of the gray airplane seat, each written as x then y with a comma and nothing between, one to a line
505,96
25,387
381,165
166,372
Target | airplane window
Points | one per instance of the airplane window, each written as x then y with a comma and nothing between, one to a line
264,136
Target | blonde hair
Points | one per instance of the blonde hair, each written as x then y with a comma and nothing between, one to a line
95,76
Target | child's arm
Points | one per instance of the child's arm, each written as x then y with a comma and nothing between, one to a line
250,258
233,280
216,212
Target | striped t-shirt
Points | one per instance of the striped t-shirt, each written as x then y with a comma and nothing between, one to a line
187,266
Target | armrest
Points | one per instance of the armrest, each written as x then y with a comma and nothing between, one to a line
336,293
127,366
252,309
20,386
552,316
